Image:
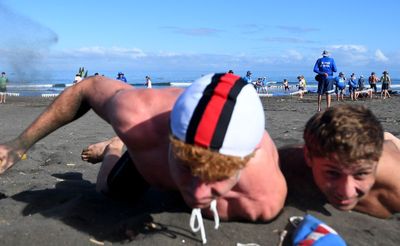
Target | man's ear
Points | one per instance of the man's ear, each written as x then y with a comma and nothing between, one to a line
307,156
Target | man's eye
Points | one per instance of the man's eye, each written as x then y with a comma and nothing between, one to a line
333,174
361,175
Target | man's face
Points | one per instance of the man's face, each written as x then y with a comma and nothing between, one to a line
343,186
195,192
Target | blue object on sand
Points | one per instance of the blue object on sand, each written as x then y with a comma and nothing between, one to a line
312,231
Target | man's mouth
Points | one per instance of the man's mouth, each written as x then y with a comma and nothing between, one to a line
344,203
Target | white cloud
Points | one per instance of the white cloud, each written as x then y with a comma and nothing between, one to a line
349,48
102,52
379,56
293,55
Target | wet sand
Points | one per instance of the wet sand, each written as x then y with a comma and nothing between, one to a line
50,198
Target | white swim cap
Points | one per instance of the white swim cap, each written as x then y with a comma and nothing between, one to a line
221,112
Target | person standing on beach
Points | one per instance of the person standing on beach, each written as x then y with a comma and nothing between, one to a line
340,86
386,81
248,78
347,158
325,67
148,82
373,79
286,85
353,85
3,87
198,141
121,76
302,85
361,82
77,78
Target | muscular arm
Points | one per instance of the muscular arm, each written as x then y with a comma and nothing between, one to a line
70,105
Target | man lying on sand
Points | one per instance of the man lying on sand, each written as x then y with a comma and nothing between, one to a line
350,159
209,142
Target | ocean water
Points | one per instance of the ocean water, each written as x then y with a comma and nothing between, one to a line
54,83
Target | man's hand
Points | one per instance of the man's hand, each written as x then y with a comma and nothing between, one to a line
8,157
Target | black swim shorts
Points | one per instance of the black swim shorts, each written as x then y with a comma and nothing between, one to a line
326,86
124,181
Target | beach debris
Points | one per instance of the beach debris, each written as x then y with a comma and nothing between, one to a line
2,196
70,164
247,244
92,240
282,236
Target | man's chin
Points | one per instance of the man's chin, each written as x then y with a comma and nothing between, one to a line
344,205
192,203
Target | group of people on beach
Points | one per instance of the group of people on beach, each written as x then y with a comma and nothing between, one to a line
325,67
357,86
209,142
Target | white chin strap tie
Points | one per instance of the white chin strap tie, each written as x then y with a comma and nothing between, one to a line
196,214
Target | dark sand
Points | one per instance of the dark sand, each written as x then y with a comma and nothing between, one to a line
50,198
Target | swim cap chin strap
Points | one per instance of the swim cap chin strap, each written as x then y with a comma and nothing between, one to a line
196,214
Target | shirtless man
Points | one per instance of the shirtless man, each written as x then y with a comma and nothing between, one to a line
208,142
349,159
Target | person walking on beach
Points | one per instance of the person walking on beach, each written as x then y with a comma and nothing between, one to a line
386,81
148,82
198,141
325,67
3,87
347,158
340,86
373,79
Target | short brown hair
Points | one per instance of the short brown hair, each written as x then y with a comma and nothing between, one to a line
350,133
206,164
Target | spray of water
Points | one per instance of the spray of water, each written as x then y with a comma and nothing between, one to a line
24,46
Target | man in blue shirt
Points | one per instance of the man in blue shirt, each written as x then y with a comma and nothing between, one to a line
248,78
325,67
121,77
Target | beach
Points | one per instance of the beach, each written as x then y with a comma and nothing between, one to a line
50,198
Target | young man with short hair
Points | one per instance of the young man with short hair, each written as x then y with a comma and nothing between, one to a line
349,158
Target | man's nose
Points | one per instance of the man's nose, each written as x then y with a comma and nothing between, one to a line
347,188
201,190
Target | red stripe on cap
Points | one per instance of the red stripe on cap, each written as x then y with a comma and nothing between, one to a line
321,229
211,114
306,242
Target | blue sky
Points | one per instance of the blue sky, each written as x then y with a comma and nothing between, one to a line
271,37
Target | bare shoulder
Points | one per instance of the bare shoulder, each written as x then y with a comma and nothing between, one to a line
142,114
384,197
137,105
388,172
